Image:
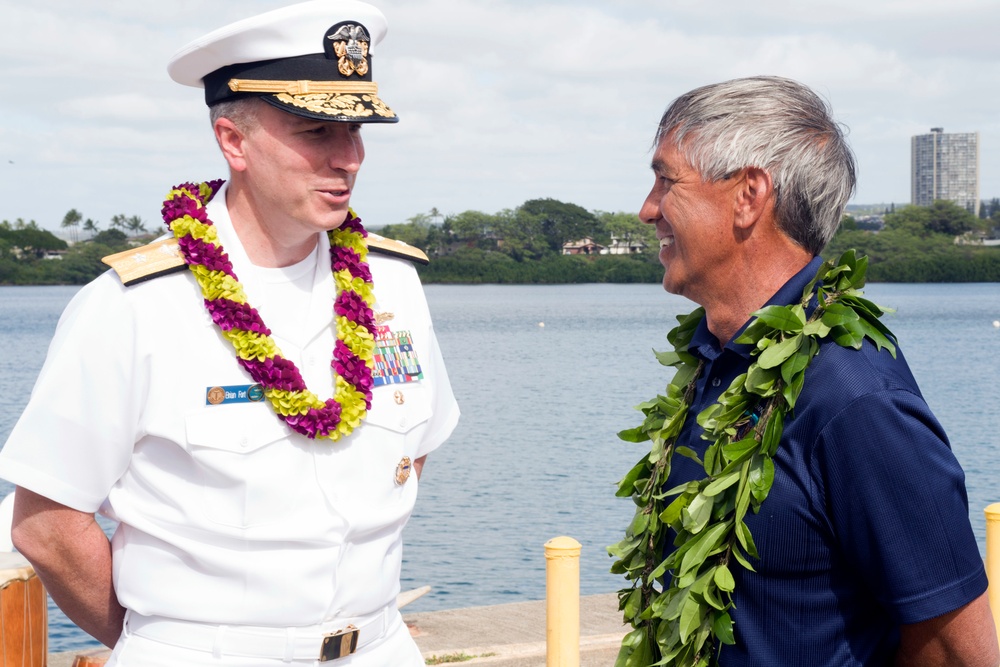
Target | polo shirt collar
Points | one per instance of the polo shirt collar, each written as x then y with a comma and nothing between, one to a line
706,346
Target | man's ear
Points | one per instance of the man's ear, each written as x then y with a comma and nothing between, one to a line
754,198
231,142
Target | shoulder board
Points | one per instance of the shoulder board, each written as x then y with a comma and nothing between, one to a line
384,246
147,262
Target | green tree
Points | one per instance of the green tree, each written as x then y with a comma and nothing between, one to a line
135,225
90,227
34,242
112,238
947,217
473,229
560,222
520,234
120,222
72,219
848,223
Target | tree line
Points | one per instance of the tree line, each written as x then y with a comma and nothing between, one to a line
525,245
918,244
30,255
938,243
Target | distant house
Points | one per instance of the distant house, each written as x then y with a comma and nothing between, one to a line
584,246
624,246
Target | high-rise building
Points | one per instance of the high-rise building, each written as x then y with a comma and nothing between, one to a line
945,166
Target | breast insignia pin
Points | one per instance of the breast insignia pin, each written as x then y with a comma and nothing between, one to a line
398,397
403,470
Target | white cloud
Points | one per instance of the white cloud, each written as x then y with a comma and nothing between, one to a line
500,100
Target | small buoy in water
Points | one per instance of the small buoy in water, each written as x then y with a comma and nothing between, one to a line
542,324
996,324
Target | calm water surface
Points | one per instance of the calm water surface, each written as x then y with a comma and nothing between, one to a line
546,375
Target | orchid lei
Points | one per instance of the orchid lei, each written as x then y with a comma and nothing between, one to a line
185,214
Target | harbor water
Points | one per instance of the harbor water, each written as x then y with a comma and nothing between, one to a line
546,376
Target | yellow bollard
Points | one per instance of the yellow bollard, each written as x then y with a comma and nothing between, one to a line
993,561
562,602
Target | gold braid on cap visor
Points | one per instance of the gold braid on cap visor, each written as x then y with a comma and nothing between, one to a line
303,87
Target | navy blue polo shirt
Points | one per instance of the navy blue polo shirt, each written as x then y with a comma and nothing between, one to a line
866,526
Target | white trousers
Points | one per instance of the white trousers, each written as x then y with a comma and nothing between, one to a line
394,649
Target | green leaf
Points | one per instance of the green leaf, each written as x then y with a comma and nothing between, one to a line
687,452
719,485
760,381
776,354
860,269
695,516
724,579
659,570
690,618
772,432
761,477
795,364
876,337
782,318
632,604
745,538
624,548
639,523
636,434
672,514
743,495
704,578
668,358
837,314
625,486
860,303
681,335
674,606
816,328
702,544
712,598
742,560
723,629
849,334
791,391
735,451
753,333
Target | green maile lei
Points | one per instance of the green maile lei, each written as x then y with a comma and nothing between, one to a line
686,623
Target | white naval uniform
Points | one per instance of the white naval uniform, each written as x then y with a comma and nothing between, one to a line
227,515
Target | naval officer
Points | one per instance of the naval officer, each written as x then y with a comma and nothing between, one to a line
253,396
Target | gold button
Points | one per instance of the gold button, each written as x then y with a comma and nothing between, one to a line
398,397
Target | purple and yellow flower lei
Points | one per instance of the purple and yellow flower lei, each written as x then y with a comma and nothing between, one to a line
185,214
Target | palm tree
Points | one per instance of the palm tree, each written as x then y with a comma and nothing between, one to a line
72,219
90,226
119,221
135,225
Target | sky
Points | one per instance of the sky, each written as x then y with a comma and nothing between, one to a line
500,101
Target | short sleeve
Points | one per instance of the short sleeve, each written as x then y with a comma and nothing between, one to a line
898,505
77,432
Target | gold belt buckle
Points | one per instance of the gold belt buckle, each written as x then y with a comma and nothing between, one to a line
338,644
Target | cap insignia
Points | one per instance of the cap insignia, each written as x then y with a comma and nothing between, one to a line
349,44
